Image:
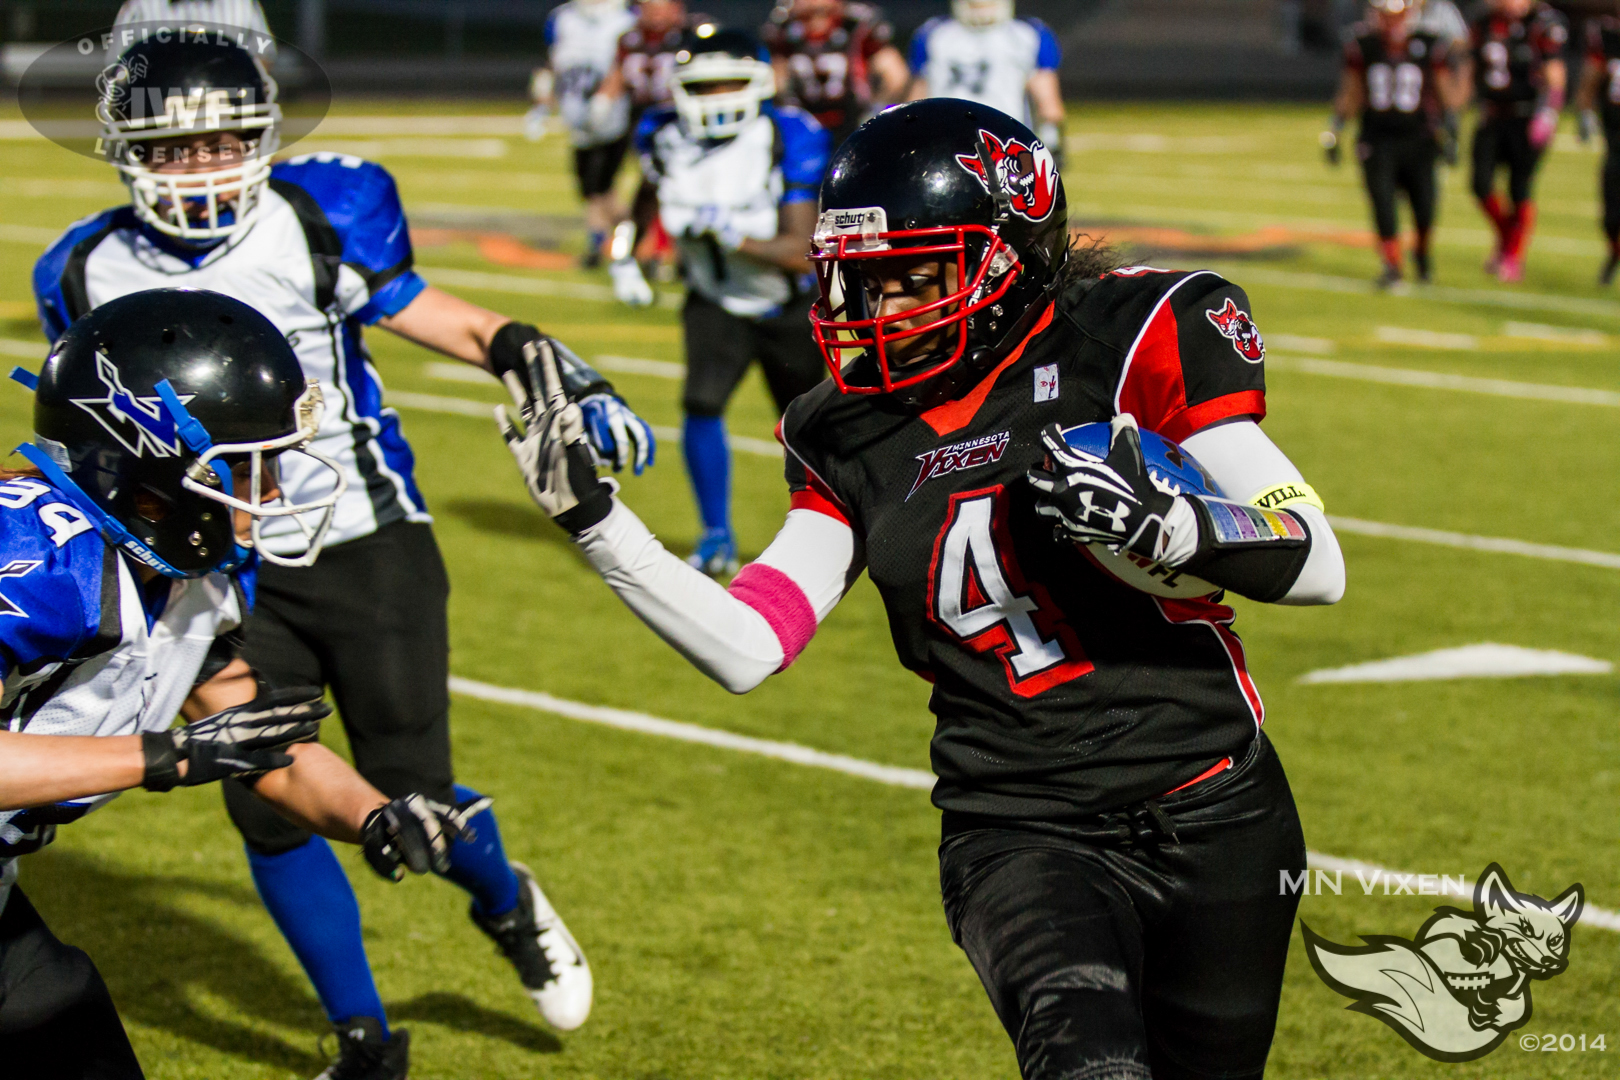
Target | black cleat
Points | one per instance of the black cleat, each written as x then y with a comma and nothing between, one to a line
363,1054
1389,278
1609,267
1420,261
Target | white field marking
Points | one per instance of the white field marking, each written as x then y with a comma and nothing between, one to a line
467,373
486,149
527,286
1425,339
1563,335
1484,661
1080,142
794,753
1302,344
421,125
28,350
28,234
1495,544
1524,301
1591,915
1435,380
485,410
632,365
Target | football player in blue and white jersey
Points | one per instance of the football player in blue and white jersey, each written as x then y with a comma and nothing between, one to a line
320,245
583,41
737,181
982,53
127,550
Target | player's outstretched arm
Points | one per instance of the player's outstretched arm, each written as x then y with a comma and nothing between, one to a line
738,636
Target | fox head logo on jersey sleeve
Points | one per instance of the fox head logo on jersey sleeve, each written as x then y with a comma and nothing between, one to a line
141,424
1236,326
1026,175
1457,990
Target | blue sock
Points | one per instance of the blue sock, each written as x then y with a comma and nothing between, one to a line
708,463
311,901
480,866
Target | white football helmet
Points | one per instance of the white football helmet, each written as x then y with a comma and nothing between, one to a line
982,12
707,62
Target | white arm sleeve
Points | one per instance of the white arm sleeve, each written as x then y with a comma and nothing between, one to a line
728,640
1244,462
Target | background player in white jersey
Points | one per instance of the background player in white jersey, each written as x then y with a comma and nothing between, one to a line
246,14
982,53
129,543
321,246
737,181
583,39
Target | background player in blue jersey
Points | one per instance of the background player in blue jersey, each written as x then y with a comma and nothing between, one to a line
737,181
982,53
127,546
320,245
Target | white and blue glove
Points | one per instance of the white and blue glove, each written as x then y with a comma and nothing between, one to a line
618,436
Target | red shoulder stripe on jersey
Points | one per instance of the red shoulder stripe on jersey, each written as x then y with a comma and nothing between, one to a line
1200,416
811,499
958,414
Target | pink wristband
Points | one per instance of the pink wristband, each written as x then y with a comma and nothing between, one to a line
777,597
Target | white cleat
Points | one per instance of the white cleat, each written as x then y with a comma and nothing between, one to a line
547,958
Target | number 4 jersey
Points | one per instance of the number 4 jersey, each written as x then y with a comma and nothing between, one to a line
1059,690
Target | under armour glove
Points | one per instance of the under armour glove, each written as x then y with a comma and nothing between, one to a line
243,741
618,436
550,448
1112,502
415,833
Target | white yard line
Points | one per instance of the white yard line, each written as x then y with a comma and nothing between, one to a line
1503,298
530,286
1496,544
1437,380
27,350
794,753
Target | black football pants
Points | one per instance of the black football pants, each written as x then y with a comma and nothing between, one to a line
57,1020
720,346
1108,960
368,620
1390,166
1504,141
1611,187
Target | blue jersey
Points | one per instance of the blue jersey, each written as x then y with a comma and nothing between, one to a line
709,188
85,647
329,254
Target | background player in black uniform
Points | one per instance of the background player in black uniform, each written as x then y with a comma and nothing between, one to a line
1400,84
1519,77
835,60
1114,822
1598,99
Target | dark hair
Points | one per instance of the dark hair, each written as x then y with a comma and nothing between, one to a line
1090,257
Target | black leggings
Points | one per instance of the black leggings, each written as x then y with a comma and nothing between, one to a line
1611,189
1394,165
368,620
1155,962
720,346
57,1020
1504,141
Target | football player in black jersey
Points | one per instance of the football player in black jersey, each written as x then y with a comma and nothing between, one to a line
1114,821
1399,81
835,60
1518,74
1598,99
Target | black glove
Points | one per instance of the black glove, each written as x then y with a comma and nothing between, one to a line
244,741
1112,502
579,379
415,833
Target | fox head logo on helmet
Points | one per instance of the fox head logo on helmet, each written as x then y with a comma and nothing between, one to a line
1236,326
1027,175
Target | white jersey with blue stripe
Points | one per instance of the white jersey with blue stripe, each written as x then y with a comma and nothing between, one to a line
988,64
584,45
85,648
708,186
329,254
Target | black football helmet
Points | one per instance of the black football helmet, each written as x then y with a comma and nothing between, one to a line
146,405
974,198
190,85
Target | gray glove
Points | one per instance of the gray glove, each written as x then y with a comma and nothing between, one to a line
415,833
245,741
551,448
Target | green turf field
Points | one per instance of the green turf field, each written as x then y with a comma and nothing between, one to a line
751,918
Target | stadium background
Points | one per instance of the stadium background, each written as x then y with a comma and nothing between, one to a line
751,917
